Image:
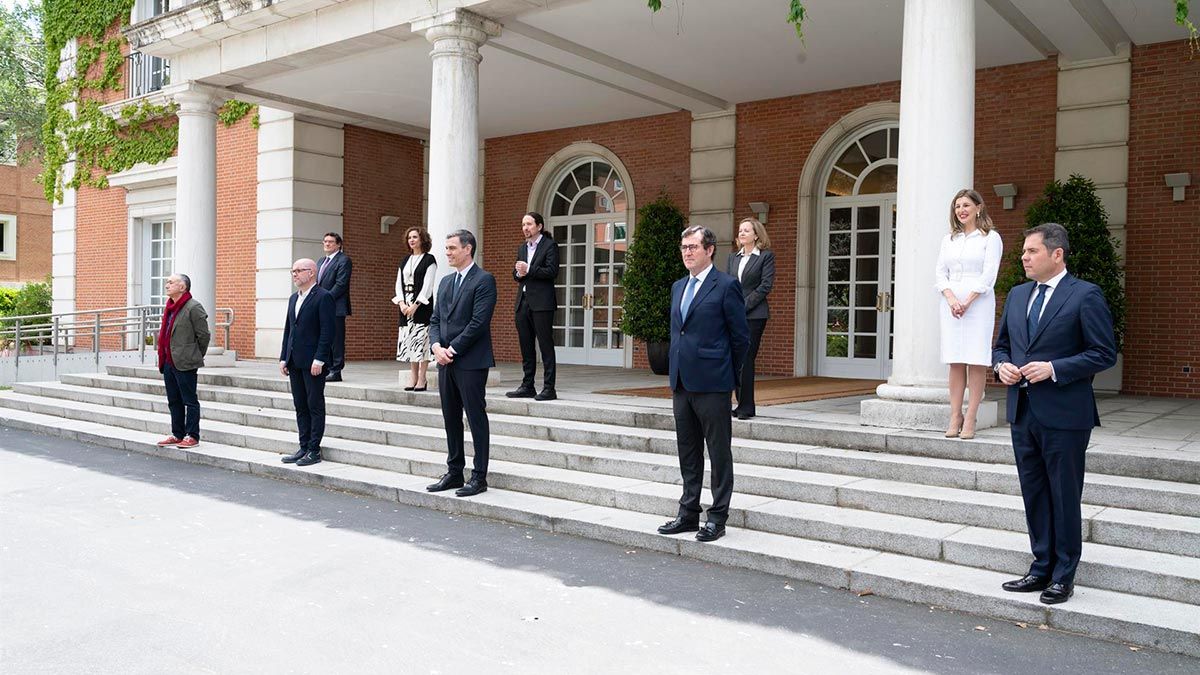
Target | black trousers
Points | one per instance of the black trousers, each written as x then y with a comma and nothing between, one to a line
337,359
703,418
745,393
308,396
182,401
462,390
1050,465
533,325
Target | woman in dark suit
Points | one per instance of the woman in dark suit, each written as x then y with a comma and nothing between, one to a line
754,266
415,282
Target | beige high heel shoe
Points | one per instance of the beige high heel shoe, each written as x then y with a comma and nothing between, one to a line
968,430
955,426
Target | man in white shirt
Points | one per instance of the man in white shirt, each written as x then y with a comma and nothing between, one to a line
307,337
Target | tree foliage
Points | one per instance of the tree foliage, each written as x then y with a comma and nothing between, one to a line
652,264
1075,205
22,81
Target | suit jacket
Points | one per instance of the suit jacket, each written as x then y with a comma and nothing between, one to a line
189,336
465,323
309,336
757,281
708,347
1075,334
543,270
336,280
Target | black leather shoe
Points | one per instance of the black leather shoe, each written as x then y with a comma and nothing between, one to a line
334,377
546,395
678,525
1057,593
710,532
472,488
745,416
309,458
1026,584
292,458
448,481
522,392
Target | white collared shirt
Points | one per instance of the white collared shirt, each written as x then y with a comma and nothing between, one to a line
300,297
745,259
1050,286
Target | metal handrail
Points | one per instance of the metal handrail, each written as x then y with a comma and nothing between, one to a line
63,330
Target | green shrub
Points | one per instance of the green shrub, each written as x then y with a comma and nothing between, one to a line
1075,205
8,298
652,264
32,298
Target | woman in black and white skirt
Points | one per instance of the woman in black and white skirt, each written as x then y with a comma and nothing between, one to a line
415,282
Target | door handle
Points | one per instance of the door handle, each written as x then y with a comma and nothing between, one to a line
879,302
887,302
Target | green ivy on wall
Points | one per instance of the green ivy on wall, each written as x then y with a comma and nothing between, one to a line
101,144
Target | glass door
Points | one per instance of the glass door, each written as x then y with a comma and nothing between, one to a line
588,287
858,265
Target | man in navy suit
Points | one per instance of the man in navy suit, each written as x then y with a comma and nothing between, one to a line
535,271
307,334
333,275
1055,335
709,339
461,336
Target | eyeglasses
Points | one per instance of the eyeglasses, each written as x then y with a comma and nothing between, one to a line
688,248
302,269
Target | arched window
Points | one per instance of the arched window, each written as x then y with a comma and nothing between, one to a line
592,187
867,165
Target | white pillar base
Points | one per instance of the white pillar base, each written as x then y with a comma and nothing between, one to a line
921,408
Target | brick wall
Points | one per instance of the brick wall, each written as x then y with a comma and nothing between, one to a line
383,176
101,243
1162,266
1014,143
655,150
22,197
237,209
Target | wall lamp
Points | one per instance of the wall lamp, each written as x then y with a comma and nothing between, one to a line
1177,182
760,209
386,223
1006,191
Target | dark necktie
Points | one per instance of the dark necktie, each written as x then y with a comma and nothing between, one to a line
687,298
1035,312
454,286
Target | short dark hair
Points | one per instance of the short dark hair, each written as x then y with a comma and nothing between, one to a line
336,237
187,282
423,235
538,220
1053,236
707,238
465,238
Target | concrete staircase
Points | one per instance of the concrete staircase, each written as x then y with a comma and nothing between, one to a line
899,514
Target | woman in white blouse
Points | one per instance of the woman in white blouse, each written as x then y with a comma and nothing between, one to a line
966,272
414,296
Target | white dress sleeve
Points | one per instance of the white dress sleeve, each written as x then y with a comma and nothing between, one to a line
941,271
426,295
992,252
399,297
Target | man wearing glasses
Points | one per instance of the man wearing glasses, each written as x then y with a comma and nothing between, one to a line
709,339
307,338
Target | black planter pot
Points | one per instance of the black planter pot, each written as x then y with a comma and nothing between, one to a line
659,355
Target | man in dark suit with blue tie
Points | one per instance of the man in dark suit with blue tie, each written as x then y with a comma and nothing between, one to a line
709,339
461,336
307,335
1055,335
333,274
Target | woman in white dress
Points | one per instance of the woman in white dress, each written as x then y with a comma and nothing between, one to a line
966,272
414,296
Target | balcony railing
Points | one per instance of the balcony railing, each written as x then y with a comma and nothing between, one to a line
145,74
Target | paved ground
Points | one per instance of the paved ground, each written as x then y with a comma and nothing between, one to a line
114,562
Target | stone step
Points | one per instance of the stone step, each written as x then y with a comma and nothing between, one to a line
375,444
1102,490
1164,624
1167,465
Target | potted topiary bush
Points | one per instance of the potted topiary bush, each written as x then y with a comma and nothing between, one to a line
652,264
1075,205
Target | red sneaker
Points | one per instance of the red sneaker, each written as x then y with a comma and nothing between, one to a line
168,442
188,442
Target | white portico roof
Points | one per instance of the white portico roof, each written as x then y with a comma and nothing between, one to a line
570,62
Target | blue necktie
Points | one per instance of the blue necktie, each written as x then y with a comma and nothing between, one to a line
687,298
1035,312
454,286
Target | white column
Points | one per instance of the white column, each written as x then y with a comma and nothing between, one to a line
937,155
196,198
454,194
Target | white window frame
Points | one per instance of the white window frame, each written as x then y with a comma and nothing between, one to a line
8,246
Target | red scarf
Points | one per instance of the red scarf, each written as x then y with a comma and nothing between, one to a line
164,331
